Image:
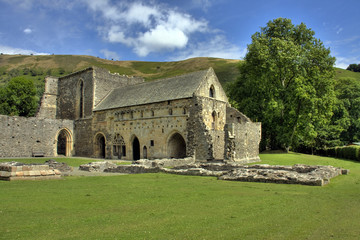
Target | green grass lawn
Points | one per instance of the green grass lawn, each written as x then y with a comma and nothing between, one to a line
164,206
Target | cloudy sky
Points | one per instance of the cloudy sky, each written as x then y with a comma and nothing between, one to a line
159,30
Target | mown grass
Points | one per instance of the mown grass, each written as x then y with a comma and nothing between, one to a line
164,206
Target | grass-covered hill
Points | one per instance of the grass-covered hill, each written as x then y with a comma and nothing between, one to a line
37,67
60,65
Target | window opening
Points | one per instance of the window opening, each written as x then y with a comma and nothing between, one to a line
212,91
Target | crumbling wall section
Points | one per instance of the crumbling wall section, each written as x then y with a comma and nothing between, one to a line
104,81
21,137
49,99
206,128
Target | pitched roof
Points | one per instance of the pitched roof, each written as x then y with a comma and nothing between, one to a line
178,87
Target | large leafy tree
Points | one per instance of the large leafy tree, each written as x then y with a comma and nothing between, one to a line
18,97
286,82
348,94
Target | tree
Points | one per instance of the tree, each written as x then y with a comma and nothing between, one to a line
354,67
18,97
348,93
286,82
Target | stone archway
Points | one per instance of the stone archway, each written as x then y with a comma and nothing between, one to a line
64,143
100,146
176,147
136,149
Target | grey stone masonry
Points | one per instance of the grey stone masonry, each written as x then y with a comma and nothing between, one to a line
22,137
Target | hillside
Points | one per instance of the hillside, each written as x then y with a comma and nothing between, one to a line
37,67
58,65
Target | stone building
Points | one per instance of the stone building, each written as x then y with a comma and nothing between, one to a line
98,114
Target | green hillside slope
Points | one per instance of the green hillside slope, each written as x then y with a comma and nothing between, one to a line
37,67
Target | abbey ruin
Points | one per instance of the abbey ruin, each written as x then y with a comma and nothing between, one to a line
94,113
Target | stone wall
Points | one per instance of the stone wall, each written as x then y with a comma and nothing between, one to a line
242,136
104,81
49,99
70,95
80,92
152,124
21,137
84,138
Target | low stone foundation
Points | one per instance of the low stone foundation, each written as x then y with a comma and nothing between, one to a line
19,171
97,166
296,174
165,162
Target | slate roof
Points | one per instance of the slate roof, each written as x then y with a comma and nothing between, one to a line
178,87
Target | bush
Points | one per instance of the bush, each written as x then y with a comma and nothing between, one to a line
348,152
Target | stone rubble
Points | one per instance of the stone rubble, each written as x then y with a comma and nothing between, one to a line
62,167
296,174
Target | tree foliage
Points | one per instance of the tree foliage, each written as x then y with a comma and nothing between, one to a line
348,93
286,83
354,67
18,97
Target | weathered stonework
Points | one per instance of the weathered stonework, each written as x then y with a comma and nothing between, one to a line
18,171
296,174
119,117
22,137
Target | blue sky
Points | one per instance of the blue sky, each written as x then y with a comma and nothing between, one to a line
159,30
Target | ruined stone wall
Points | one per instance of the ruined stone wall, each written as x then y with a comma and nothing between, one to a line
83,137
80,92
153,125
21,137
206,125
242,141
69,95
242,136
106,81
49,99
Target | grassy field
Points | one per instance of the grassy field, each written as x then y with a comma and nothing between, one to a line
163,206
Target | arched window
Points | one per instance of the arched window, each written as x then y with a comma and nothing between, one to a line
170,111
213,115
212,91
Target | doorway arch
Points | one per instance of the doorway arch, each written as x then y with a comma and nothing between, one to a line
176,147
136,148
64,142
100,146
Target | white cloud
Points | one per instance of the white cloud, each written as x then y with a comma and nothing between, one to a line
11,51
160,39
342,62
110,54
217,47
27,30
146,28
